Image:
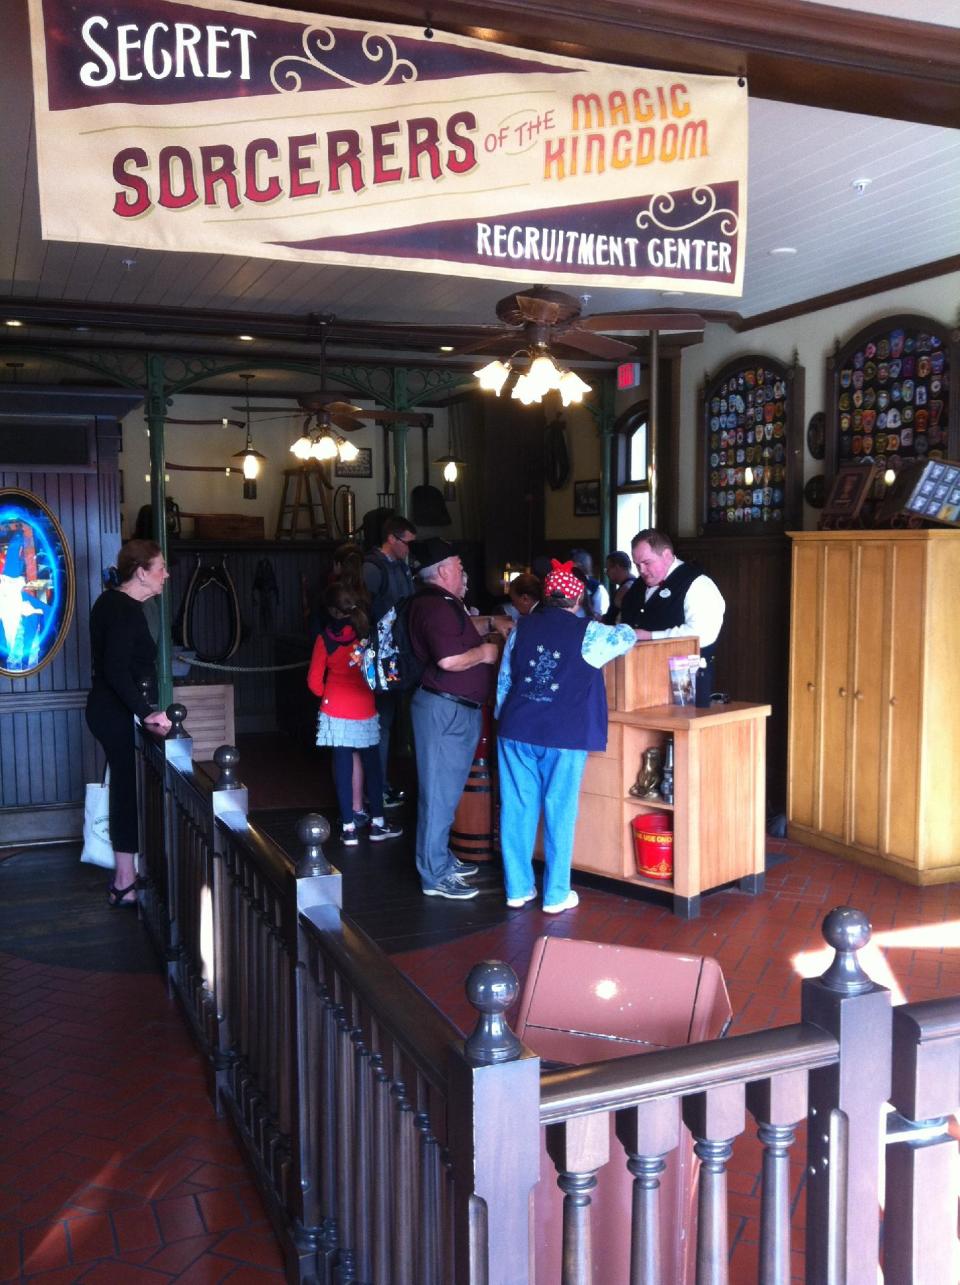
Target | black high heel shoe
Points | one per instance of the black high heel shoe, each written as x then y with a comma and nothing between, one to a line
115,895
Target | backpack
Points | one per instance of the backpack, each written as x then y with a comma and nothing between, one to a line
389,662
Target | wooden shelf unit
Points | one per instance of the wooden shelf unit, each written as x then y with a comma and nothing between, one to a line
719,785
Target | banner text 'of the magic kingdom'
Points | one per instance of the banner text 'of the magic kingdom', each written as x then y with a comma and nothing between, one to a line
272,133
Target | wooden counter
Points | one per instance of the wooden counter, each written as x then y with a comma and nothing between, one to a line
719,799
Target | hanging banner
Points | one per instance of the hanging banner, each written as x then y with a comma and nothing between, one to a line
239,129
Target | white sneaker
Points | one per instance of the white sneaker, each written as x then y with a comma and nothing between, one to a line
568,903
516,902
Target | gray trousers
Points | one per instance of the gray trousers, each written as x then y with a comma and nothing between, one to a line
446,737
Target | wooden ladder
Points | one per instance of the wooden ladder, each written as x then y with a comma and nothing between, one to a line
310,499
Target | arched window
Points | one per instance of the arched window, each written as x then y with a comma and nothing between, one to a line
631,488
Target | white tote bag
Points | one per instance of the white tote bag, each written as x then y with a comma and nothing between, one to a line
97,848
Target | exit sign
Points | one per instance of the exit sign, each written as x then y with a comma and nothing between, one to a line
628,375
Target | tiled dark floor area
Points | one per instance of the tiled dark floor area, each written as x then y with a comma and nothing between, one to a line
113,1167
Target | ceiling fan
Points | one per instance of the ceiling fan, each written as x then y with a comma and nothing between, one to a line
322,411
545,317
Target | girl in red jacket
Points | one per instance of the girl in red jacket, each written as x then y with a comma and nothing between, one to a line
348,718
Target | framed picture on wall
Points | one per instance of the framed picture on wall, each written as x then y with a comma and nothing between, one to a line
37,583
362,466
586,499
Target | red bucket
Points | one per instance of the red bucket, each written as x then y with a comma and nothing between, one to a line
653,843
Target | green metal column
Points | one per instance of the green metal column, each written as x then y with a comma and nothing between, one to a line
156,405
607,420
401,401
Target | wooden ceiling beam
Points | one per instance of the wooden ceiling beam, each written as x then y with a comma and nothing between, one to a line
789,50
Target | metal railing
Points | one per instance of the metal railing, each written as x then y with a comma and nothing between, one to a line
390,1151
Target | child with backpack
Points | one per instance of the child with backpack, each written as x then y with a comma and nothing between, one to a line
347,719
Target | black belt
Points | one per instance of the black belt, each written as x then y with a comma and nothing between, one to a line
457,700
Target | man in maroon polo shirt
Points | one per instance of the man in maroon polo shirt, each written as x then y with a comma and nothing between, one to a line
445,710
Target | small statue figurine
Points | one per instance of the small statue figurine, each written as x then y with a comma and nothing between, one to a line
666,781
647,784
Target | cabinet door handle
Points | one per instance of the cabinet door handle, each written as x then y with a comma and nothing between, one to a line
811,687
858,696
842,691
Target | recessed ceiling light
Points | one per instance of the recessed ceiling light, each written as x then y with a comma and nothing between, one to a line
11,321
446,347
247,339
783,249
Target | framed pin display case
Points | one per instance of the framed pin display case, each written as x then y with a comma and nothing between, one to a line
888,396
751,472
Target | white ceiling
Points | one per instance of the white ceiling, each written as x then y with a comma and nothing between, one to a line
802,167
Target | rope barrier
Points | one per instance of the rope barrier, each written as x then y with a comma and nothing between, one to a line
242,669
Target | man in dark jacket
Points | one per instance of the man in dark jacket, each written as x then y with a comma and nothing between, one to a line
387,576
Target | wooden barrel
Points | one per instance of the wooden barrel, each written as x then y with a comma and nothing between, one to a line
472,835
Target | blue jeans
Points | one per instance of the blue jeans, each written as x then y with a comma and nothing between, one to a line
535,777
446,737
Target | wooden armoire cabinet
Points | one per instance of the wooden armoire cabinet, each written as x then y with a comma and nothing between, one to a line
874,714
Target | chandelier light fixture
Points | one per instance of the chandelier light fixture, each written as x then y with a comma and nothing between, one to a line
322,445
531,386
249,458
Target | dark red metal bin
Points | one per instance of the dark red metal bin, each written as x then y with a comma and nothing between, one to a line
586,1002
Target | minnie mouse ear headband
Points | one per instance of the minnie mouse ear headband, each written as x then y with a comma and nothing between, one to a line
561,581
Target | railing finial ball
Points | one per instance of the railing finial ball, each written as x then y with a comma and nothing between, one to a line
313,829
847,930
492,987
176,714
227,759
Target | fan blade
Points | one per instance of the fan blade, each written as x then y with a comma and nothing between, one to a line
639,322
598,345
224,423
543,312
416,418
342,408
541,306
478,345
271,410
345,423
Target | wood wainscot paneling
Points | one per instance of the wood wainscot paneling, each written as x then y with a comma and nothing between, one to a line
279,585
46,752
753,574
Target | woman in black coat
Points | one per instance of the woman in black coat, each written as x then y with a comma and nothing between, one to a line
123,654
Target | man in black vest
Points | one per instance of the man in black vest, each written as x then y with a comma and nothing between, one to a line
672,598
